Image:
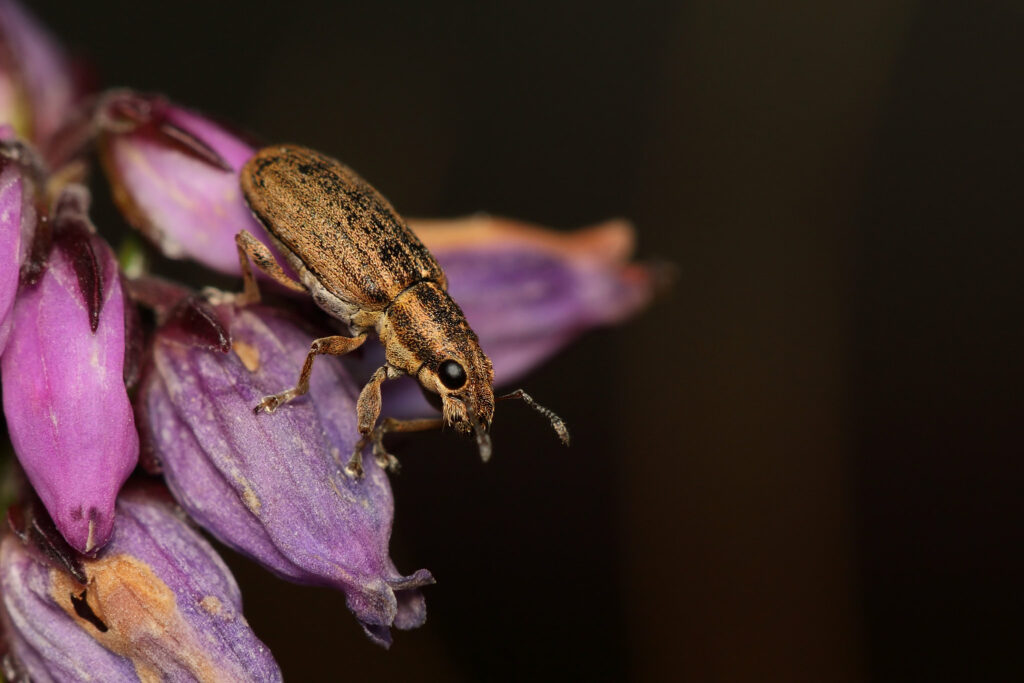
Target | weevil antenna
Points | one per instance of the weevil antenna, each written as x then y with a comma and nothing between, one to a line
556,422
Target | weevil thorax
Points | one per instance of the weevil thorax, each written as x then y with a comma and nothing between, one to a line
425,334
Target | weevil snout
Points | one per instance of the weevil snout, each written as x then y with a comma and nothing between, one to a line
466,398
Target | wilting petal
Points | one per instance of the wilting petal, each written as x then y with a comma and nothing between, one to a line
174,175
273,486
157,604
528,291
64,396
36,86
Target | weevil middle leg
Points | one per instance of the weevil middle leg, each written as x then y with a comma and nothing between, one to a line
336,345
251,248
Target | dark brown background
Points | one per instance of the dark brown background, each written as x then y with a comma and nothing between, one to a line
801,465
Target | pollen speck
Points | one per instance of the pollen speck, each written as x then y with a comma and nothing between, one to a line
212,604
248,354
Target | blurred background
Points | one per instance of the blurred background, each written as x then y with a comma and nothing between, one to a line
801,464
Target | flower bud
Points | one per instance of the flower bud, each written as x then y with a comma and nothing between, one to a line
156,603
273,486
64,395
528,291
174,175
36,86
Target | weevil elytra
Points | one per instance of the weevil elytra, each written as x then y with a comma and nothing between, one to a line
363,265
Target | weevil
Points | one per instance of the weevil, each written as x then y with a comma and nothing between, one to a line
362,264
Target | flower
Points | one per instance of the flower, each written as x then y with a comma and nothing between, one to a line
528,291
36,87
64,394
273,486
156,603
174,175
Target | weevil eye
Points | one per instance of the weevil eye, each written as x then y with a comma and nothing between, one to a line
452,374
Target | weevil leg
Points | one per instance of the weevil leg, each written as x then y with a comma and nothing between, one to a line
334,346
389,425
251,248
367,412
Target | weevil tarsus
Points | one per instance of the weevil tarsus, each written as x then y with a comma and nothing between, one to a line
556,422
335,345
251,248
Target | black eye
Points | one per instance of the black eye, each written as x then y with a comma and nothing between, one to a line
452,375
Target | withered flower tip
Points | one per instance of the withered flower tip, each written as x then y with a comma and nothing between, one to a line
156,603
274,486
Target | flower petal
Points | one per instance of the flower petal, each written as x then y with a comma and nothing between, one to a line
36,85
174,175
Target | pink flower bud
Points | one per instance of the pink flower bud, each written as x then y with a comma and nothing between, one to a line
64,395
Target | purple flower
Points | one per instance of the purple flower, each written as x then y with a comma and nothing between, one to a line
174,175
528,291
17,225
156,603
64,395
36,87
273,486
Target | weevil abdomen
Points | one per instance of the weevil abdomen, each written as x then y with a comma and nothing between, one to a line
335,226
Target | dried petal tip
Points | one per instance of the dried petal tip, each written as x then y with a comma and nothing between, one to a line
274,486
156,604
73,235
174,175
64,395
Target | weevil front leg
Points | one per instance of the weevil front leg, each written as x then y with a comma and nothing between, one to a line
251,248
367,412
334,346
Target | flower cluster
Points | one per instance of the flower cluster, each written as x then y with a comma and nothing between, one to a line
103,579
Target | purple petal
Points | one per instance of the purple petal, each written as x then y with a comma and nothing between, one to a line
158,604
527,291
37,74
169,179
11,243
273,486
64,397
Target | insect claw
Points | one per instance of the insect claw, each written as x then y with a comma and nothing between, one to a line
354,468
268,404
383,458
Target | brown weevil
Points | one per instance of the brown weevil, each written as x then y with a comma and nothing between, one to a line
363,265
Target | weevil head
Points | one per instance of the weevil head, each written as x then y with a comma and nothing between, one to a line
428,337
